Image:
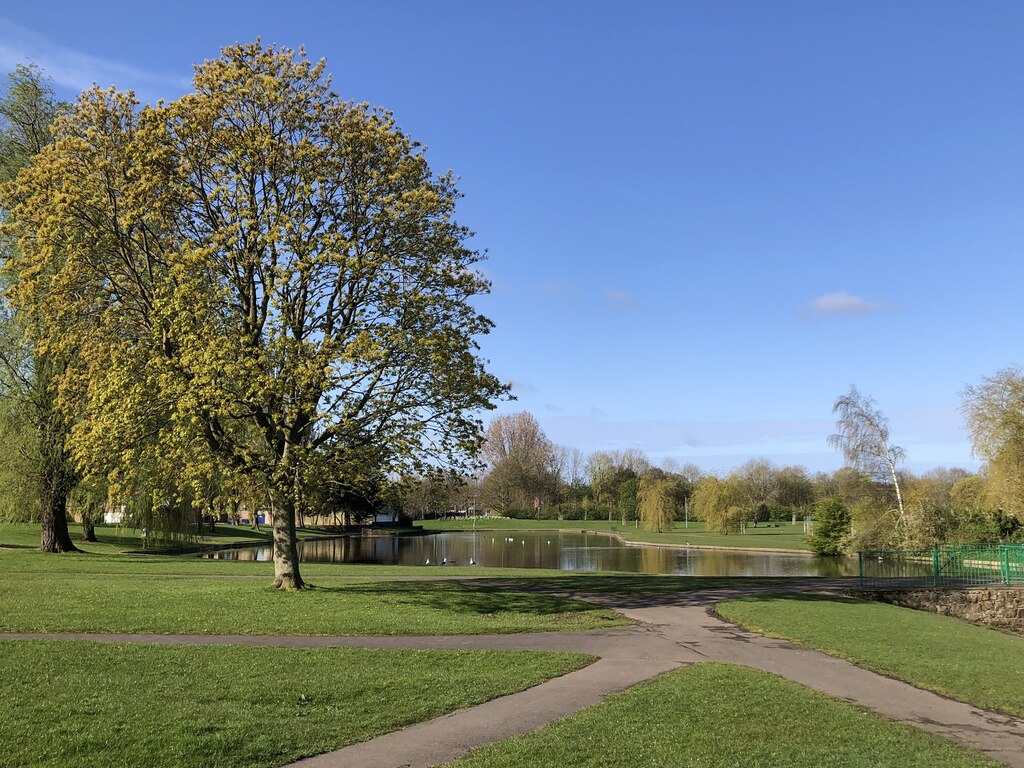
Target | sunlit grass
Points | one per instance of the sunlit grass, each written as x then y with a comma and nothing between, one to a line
975,664
717,715
113,539
210,604
90,705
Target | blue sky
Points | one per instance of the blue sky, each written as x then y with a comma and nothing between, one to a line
705,220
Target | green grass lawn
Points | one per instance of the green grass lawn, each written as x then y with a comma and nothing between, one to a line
93,705
115,539
166,604
720,715
786,536
977,665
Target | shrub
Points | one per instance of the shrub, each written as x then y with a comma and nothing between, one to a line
831,528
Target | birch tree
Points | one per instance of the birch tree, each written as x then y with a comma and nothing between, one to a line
862,435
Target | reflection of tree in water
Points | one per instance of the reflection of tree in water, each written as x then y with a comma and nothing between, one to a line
657,560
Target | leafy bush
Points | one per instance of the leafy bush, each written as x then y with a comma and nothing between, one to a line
832,520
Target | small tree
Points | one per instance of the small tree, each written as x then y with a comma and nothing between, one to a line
832,521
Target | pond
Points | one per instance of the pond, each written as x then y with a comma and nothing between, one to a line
558,550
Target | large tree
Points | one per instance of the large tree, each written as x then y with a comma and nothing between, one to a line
720,503
29,373
521,463
994,411
259,269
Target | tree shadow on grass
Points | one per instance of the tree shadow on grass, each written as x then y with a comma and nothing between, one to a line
638,585
804,597
678,591
467,598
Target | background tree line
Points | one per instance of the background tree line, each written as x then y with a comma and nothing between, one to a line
869,503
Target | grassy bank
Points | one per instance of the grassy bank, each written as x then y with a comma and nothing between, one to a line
113,539
785,536
712,715
92,705
977,665
213,605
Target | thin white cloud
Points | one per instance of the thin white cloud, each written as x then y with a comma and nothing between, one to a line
616,299
555,288
843,303
76,71
522,387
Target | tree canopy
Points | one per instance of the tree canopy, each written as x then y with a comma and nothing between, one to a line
862,434
994,411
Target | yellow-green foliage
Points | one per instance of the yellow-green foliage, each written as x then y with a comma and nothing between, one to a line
655,504
258,280
719,503
995,419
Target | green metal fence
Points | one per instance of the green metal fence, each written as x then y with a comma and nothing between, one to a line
953,565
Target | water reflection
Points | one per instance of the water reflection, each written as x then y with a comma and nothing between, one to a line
552,549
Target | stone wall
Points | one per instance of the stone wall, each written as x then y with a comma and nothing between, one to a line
996,606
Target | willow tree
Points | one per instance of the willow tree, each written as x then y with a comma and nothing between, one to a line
994,411
719,503
656,503
260,269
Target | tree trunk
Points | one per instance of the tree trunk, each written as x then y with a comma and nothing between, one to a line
902,520
88,529
54,534
55,484
57,476
286,556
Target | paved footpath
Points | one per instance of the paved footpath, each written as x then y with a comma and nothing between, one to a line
673,630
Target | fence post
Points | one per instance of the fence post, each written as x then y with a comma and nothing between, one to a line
1006,565
860,568
935,566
